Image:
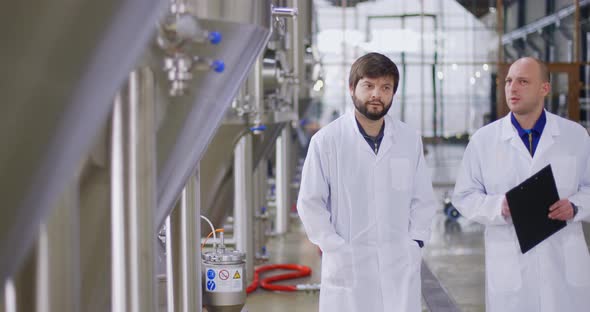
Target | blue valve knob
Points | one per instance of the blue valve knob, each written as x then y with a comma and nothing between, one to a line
218,66
258,128
215,37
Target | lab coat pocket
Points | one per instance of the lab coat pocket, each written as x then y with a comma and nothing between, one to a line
504,267
338,268
400,174
564,171
577,261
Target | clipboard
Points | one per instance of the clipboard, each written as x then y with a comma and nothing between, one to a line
529,204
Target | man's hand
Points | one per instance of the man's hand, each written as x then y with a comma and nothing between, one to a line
505,208
561,210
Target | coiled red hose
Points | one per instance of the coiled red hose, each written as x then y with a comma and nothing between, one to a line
301,271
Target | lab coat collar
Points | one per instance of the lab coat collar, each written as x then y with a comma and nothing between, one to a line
388,135
389,124
547,137
510,133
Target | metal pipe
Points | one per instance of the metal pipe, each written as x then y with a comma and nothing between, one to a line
540,23
9,297
422,64
284,12
297,62
441,85
243,210
469,88
260,206
577,37
133,195
282,181
183,262
344,67
434,85
500,28
258,203
434,108
587,80
58,257
404,80
571,51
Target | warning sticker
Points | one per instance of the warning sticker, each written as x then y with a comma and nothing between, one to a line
210,274
210,285
223,274
218,280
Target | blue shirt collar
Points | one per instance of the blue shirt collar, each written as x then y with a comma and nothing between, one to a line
537,128
366,136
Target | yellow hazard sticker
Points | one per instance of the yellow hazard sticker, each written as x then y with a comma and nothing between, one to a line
237,275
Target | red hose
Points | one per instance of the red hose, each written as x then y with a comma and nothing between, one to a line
301,271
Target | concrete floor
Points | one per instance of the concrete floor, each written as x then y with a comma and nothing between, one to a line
291,248
455,254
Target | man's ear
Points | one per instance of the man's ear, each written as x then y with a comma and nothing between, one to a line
351,90
546,88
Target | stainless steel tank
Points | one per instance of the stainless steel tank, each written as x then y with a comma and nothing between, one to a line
224,280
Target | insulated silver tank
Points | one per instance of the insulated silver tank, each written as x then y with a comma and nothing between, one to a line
224,280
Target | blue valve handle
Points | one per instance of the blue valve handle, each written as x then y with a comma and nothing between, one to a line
215,37
218,66
259,128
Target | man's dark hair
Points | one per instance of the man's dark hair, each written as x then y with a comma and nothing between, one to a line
373,65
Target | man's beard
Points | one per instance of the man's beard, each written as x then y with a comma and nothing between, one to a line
363,108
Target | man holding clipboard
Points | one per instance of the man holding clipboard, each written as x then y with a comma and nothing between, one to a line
508,158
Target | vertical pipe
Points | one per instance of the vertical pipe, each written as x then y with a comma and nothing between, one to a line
297,59
243,211
58,252
258,203
434,85
9,295
404,79
344,59
571,51
183,241
500,29
422,65
577,37
170,266
587,81
434,111
133,195
282,181
441,22
355,53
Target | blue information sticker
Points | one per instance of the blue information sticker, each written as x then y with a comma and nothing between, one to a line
210,285
211,274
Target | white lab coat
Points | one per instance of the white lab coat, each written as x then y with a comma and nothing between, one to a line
554,275
364,210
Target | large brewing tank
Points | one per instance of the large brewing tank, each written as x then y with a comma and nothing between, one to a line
224,280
